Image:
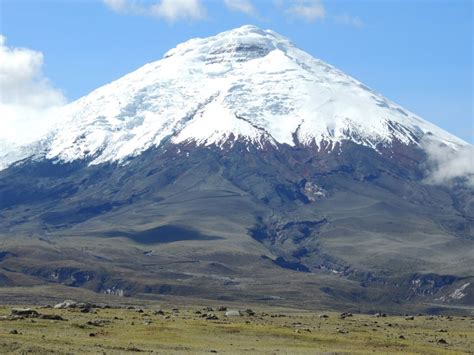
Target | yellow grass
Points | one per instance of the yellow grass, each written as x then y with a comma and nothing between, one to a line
266,333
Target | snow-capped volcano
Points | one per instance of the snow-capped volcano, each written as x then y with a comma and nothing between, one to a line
258,173
245,84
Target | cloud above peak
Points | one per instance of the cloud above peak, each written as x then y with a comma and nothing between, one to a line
194,10
168,10
308,10
244,6
173,10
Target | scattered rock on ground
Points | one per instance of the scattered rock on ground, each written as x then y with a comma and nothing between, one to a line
232,313
249,312
133,349
211,316
51,317
66,304
98,322
24,312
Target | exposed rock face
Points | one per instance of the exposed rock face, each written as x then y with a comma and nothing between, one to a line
373,222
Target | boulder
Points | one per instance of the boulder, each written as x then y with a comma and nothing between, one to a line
24,312
249,312
232,313
345,315
51,317
211,316
66,304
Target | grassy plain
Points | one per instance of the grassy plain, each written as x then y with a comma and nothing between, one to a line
189,329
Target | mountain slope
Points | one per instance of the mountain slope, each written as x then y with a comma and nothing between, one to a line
239,168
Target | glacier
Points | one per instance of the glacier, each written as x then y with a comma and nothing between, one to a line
245,84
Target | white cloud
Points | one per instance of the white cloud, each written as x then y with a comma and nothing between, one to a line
175,10
28,101
172,10
447,164
308,10
118,5
244,6
169,10
349,20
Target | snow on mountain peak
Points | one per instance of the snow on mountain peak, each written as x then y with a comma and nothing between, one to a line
239,45
247,84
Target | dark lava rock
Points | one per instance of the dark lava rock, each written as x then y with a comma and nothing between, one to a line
345,315
442,341
249,312
24,312
133,349
51,317
86,309
98,322
211,316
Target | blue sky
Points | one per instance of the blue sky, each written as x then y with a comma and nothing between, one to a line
417,53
